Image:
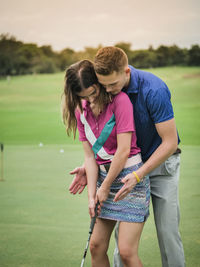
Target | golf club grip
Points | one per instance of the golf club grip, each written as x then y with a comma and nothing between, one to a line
93,220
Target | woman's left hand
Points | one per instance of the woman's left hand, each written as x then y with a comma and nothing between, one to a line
102,194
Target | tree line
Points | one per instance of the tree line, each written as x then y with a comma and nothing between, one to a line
18,58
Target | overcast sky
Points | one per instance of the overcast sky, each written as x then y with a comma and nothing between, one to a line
80,23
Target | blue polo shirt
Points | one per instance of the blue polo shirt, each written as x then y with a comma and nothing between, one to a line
150,97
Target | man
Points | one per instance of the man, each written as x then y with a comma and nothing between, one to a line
158,139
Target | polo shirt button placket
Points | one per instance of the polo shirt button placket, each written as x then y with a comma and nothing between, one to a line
97,127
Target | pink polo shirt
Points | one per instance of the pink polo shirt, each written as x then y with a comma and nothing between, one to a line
122,108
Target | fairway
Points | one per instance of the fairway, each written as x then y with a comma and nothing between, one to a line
41,224
30,106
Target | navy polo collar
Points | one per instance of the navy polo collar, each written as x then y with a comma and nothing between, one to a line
134,82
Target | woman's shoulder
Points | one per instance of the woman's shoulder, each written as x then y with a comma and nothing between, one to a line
121,102
121,98
77,113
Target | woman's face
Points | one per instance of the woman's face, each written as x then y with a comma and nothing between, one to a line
90,94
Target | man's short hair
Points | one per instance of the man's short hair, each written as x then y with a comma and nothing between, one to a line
109,59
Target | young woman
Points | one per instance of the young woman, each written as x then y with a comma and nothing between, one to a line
106,129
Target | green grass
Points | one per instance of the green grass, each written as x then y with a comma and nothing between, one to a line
30,110
30,106
41,224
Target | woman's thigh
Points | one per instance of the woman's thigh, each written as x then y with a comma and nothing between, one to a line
129,235
101,233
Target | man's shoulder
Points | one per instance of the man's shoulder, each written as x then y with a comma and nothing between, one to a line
147,80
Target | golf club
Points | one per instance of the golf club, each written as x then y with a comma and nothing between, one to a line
93,220
1,178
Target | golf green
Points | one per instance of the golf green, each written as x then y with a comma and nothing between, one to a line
42,224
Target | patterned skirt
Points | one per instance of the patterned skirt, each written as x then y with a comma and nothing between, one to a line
134,207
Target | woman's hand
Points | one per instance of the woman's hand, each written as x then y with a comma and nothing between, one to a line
91,206
102,194
79,182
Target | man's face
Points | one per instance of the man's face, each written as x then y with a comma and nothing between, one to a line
115,82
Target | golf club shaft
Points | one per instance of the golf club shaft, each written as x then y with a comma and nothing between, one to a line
1,178
93,220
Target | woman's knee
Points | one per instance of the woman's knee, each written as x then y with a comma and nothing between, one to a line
97,247
127,253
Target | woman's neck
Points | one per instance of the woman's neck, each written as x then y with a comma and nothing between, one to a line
96,110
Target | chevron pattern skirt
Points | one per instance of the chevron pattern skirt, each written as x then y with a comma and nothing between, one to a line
134,207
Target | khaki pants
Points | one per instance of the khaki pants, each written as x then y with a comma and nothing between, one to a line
164,193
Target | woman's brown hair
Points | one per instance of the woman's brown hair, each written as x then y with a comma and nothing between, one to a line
78,77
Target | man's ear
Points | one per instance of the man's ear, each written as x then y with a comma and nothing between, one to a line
127,70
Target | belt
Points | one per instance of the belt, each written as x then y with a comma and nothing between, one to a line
130,162
178,151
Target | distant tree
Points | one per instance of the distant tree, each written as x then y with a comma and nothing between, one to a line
88,53
151,48
194,56
17,57
45,65
163,56
143,59
126,47
54,59
47,51
170,55
176,55
185,56
8,54
28,57
66,57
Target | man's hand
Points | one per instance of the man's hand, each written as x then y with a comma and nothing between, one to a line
79,182
130,182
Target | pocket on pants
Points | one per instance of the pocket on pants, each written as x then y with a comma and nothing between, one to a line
172,164
169,167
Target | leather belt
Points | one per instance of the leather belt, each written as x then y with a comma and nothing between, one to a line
130,162
178,151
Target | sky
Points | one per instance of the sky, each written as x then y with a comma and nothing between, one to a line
78,24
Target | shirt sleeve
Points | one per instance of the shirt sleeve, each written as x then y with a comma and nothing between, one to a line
159,105
123,110
80,126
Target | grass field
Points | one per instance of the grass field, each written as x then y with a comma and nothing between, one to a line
30,107
41,224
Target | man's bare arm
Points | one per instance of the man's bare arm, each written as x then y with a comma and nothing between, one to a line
167,132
